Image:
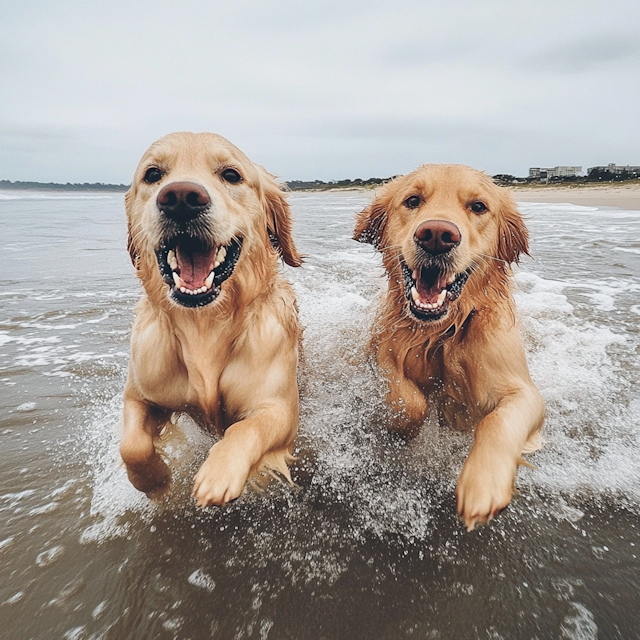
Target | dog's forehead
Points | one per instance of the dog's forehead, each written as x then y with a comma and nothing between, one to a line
452,181
195,150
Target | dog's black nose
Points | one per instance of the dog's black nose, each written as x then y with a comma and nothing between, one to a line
183,201
437,236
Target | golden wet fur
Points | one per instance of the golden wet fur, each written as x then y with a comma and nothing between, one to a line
231,364
471,362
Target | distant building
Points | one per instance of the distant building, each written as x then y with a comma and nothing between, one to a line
544,173
615,169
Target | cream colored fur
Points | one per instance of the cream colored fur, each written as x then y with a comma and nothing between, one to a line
471,361
232,364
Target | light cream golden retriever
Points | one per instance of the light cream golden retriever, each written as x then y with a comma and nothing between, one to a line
216,333
446,331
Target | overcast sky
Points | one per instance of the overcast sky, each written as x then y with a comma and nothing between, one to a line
319,89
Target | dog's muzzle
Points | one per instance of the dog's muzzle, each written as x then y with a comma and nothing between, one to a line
432,285
190,262
195,271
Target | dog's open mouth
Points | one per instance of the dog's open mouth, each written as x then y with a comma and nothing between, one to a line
194,270
429,290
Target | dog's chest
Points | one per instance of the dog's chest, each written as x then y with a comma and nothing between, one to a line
426,371
440,370
204,365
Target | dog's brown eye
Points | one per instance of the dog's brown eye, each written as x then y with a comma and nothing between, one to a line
478,206
412,202
231,175
152,175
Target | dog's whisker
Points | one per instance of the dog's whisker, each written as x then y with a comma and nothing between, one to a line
484,255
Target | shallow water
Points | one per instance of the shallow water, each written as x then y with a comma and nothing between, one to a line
368,546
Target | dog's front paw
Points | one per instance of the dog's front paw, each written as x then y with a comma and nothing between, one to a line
152,477
484,490
221,478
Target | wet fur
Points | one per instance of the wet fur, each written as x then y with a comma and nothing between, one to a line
471,362
232,365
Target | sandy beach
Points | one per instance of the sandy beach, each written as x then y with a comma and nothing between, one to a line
623,196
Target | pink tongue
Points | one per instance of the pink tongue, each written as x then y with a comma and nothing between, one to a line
429,293
194,266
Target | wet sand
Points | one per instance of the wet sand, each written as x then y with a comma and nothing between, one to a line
622,196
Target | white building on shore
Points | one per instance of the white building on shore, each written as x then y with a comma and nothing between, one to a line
544,173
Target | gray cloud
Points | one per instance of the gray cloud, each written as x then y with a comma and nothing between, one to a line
588,53
322,89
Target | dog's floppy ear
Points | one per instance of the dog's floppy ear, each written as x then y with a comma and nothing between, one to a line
131,245
371,223
279,221
513,237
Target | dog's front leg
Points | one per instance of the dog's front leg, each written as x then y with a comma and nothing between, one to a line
145,468
488,476
406,400
224,473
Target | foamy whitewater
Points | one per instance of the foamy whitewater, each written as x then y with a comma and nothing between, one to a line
367,545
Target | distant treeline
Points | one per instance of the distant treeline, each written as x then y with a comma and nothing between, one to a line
319,185
69,186
502,179
294,185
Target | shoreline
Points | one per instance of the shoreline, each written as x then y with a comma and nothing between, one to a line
624,195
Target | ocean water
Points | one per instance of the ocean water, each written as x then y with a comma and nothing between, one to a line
368,545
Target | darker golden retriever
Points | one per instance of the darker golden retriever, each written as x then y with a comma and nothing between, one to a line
446,331
216,333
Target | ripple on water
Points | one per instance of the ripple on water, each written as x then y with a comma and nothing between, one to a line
48,557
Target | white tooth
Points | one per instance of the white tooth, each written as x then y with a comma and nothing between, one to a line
414,293
216,264
183,289
441,297
209,281
222,254
177,279
203,289
171,260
